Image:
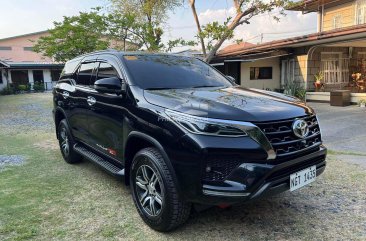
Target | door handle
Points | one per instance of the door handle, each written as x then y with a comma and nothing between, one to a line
65,94
91,100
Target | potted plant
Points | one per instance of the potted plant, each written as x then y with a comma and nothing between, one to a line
362,103
318,80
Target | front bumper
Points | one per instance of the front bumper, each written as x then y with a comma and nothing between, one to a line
251,180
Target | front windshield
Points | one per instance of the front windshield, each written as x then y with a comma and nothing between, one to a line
172,72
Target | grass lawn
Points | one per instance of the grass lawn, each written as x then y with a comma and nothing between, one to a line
47,199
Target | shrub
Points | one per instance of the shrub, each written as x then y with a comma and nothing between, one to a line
295,89
38,87
7,91
23,87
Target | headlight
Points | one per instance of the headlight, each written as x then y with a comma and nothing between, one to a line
207,126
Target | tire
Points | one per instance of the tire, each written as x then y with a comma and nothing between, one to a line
171,211
66,143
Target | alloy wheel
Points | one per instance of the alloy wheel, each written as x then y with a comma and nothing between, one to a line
149,190
64,140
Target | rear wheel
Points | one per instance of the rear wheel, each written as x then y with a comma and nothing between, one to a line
66,144
154,192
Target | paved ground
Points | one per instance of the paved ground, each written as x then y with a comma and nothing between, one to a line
344,131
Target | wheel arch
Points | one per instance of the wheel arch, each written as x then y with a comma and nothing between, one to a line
59,116
136,141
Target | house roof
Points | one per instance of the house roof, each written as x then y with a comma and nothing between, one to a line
3,64
235,47
24,35
320,38
32,65
312,5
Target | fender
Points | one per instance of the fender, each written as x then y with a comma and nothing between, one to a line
156,144
59,109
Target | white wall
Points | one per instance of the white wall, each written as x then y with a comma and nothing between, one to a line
272,84
46,77
2,85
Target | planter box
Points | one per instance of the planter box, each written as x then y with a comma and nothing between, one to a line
340,98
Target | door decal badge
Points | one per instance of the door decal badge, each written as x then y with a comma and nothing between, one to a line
109,150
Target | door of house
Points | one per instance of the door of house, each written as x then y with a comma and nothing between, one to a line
287,72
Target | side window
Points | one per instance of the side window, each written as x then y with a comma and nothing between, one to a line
85,73
106,70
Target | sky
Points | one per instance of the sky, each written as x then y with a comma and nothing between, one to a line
23,16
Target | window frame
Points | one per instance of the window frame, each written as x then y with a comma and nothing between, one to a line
337,21
259,68
93,73
106,62
360,12
33,75
336,76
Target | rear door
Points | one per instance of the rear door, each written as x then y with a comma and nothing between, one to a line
79,115
107,114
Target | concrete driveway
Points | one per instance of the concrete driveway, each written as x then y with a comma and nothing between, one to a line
343,130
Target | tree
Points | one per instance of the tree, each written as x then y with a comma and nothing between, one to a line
150,18
215,33
74,36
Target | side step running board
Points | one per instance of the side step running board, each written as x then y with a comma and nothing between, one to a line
91,156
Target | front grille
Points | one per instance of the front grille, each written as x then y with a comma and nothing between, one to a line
219,168
284,141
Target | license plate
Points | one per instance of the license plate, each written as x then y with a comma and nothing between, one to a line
302,178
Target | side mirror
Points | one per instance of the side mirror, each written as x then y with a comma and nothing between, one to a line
112,85
231,79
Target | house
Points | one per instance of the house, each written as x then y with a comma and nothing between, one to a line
20,65
337,51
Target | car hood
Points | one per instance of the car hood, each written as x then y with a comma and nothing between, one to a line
232,103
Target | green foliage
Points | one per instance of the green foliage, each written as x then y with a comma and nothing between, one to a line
213,35
213,32
23,88
38,87
362,102
74,36
319,76
179,42
7,91
295,89
149,19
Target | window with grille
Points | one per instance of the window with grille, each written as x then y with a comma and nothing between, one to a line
335,68
360,11
287,71
337,21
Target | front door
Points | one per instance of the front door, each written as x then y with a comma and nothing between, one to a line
79,108
107,113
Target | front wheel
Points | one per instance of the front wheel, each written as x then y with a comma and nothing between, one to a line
66,143
154,192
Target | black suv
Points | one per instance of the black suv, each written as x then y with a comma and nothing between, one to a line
181,133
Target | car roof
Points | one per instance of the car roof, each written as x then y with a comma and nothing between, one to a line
129,53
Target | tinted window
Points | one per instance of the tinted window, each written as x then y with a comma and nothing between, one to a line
70,67
167,71
85,73
1,77
106,70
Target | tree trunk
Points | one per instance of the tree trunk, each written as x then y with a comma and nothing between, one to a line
192,3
